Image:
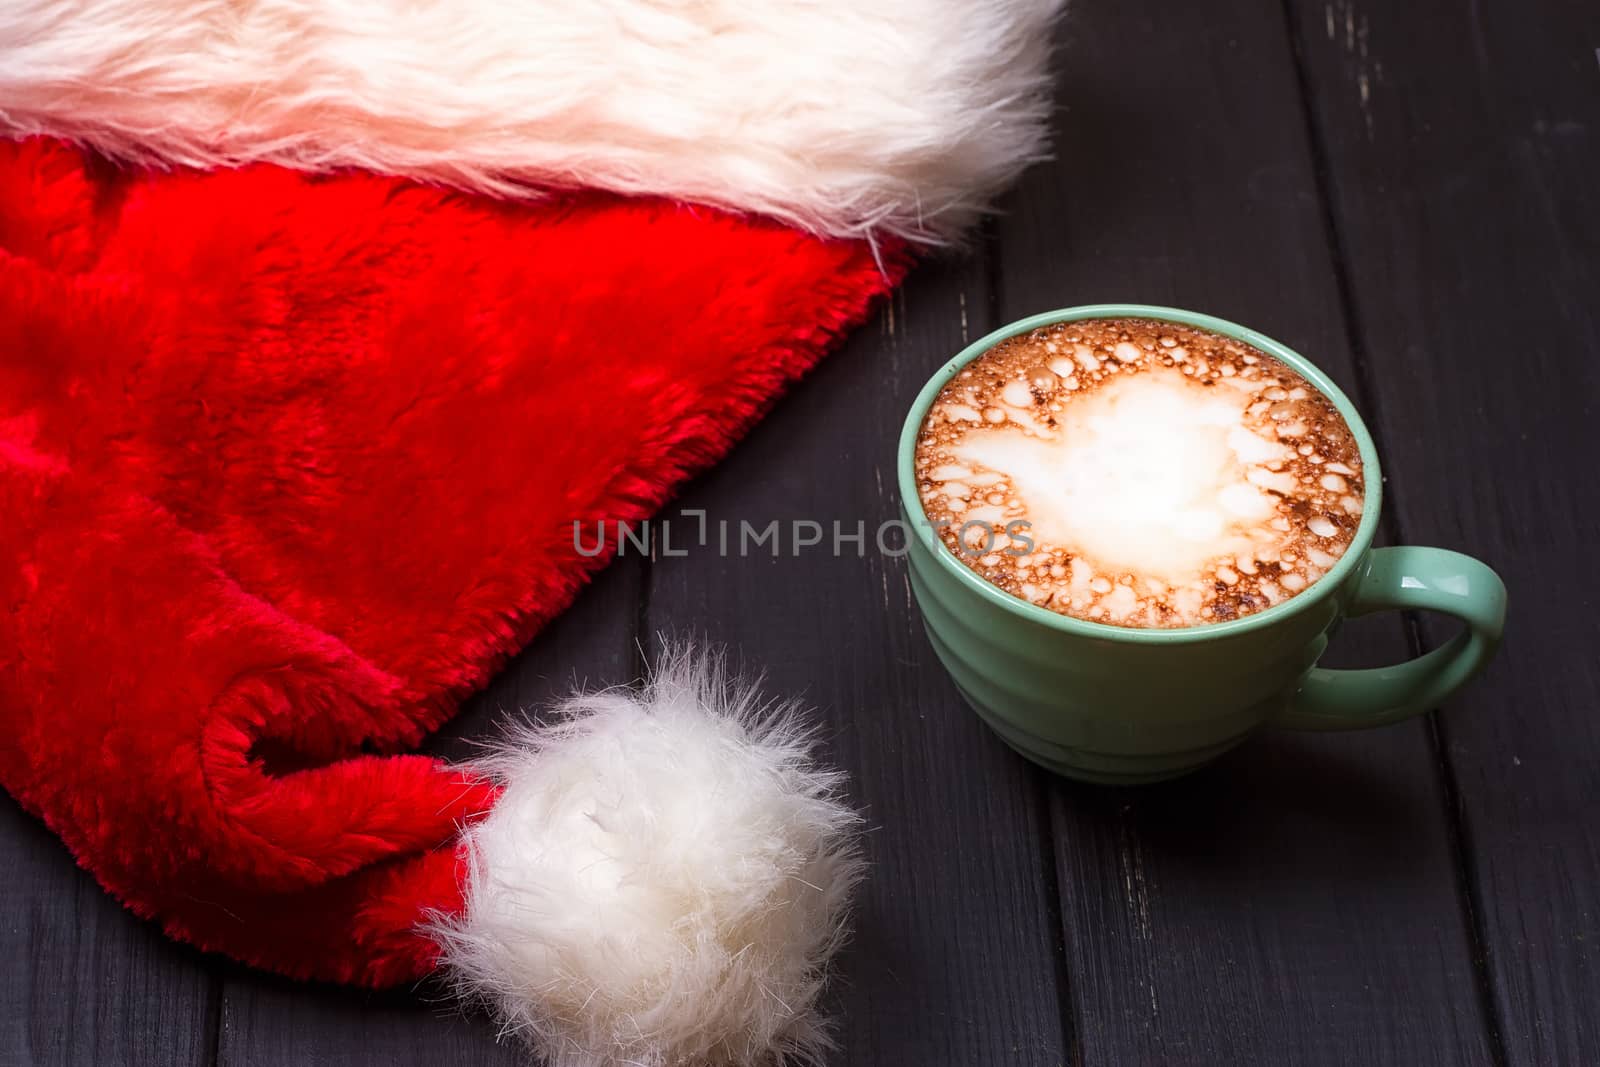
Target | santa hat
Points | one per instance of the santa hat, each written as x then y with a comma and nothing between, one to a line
321,325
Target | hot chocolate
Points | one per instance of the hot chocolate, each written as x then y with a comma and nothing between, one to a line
1139,473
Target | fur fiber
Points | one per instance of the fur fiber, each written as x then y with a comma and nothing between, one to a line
289,465
846,118
662,881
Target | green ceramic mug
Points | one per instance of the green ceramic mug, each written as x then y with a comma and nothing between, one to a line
1111,704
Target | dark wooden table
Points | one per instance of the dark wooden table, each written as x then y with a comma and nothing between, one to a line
1407,194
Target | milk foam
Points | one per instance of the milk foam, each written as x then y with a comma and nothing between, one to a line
1150,474
1167,477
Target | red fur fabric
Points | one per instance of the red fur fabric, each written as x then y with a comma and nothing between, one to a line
289,465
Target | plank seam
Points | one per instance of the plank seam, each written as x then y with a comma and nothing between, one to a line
211,1035
643,646
1047,829
993,276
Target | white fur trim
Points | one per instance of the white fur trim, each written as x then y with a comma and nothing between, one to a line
662,882
847,117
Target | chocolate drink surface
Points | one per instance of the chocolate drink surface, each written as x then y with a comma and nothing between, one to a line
1139,473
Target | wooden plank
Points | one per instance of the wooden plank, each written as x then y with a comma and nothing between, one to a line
271,1022
81,980
1462,145
954,959
1296,903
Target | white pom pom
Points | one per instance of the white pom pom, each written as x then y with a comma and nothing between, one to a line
662,882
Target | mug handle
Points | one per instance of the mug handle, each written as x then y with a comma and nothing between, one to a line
1408,579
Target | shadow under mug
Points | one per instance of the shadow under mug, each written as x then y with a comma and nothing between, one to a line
1119,705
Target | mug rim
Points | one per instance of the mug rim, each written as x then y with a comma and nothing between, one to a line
1324,587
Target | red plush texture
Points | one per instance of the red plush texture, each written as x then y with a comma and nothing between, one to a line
289,465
